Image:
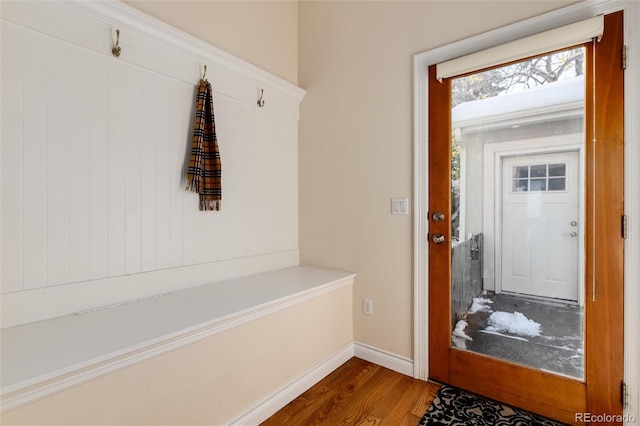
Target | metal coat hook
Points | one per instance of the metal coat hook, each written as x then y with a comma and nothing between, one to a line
260,100
116,49
204,74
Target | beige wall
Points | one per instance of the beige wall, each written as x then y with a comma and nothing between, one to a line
263,32
211,381
356,140
355,61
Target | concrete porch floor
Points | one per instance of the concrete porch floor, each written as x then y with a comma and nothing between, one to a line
558,349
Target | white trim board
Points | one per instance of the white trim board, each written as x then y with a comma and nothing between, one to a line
564,16
385,359
270,405
43,358
632,207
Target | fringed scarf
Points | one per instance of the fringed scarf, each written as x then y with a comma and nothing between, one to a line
204,175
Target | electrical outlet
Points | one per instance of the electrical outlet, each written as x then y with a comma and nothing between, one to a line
367,307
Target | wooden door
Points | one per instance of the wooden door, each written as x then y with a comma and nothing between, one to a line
539,391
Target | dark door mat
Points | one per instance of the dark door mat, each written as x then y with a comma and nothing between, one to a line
453,406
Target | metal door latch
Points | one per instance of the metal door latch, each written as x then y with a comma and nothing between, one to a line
438,238
438,217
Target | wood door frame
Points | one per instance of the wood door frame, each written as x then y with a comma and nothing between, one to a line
632,108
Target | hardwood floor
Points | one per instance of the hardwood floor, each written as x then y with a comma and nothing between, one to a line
359,393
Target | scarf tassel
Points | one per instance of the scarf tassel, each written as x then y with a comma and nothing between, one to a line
193,185
212,205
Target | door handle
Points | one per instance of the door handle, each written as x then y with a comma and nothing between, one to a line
437,217
571,234
438,238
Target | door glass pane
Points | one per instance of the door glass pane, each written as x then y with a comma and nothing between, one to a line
556,184
557,169
538,185
539,170
517,220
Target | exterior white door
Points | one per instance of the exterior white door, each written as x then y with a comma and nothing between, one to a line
540,225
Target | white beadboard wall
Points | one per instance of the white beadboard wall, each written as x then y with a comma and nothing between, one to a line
93,157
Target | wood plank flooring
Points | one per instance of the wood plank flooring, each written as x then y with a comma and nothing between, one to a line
359,393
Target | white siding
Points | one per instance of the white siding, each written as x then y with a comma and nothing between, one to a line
94,155
12,160
34,168
79,166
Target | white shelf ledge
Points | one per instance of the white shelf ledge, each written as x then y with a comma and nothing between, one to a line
45,357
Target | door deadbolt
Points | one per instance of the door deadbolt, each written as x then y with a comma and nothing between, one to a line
437,238
437,216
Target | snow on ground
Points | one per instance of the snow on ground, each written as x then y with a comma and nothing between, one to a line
458,331
514,323
480,304
458,336
495,333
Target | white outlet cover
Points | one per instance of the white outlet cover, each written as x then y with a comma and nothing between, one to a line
367,306
400,206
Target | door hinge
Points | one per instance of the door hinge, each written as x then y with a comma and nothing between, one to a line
624,226
624,395
624,57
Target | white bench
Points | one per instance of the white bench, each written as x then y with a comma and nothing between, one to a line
45,357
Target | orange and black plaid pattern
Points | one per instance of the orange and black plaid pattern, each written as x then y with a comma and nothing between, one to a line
204,175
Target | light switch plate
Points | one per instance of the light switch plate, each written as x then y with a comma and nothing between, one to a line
399,206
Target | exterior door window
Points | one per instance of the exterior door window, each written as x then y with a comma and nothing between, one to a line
539,177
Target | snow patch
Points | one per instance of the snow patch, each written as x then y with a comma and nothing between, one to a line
514,323
458,336
480,304
458,331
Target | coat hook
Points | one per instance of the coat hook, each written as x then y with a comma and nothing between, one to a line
204,74
260,100
116,49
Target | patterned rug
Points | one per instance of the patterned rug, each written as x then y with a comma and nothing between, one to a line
452,406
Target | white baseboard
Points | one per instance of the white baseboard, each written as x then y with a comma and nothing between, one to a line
269,406
383,358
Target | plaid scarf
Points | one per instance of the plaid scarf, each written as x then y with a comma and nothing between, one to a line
204,175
